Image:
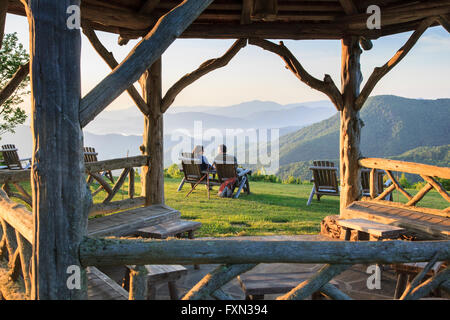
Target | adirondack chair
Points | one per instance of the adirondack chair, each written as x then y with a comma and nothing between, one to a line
325,180
192,169
90,155
226,168
12,160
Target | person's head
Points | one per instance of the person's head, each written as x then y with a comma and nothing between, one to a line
198,149
222,149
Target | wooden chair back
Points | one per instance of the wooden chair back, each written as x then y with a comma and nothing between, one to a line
365,181
11,157
90,155
225,167
325,176
191,165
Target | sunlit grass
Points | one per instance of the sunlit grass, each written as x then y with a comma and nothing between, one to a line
270,209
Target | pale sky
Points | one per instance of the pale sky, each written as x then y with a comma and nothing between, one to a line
255,74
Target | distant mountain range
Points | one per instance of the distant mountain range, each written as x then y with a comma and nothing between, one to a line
117,133
253,114
394,127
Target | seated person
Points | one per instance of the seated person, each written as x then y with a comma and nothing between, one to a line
224,158
198,152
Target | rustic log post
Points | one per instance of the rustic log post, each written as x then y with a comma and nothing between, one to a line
152,177
138,283
3,10
350,132
61,199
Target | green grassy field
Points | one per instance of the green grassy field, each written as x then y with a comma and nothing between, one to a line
271,208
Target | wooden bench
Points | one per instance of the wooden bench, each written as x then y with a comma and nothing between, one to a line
257,285
102,287
175,228
376,230
165,230
158,274
127,222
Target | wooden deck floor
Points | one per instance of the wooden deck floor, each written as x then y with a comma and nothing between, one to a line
424,225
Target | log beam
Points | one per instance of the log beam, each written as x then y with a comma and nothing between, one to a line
108,57
380,72
143,55
444,21
61,199
326,86
110,251
204,69
405,166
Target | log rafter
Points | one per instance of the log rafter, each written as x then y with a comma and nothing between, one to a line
143,55
380,72
326,86
108,57
205,68
444,21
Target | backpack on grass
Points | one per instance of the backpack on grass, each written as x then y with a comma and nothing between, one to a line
226,189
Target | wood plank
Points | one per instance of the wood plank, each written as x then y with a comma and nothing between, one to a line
371,227
379,213
101,287
127,222
168,229
162,273
271,283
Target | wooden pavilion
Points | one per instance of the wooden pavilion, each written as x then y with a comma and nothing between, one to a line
37,248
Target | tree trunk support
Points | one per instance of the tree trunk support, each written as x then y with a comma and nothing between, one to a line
153,146
350,131
60,197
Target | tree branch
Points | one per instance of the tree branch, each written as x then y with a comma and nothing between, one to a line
204,68
144,54
380,72
326,86
15,81
427,286
108,57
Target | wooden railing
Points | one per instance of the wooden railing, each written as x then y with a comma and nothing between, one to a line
93,170
234,257
427,172
237,257
16,237
127,165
